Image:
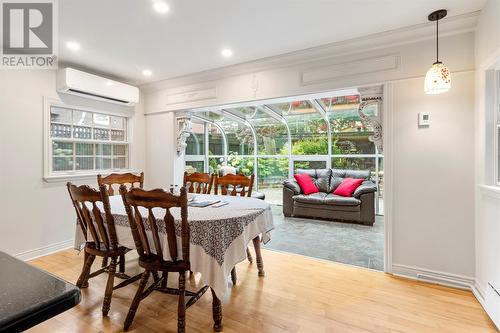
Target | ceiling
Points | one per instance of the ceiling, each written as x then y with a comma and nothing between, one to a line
121,38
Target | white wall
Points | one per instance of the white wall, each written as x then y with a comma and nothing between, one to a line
433,221
434,178
487,193
37,217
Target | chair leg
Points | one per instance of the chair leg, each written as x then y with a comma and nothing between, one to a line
109,287
233,276
121,267
216,312
104,262
258,255
249,256
164,282
156,276
181,311
136,301
84,276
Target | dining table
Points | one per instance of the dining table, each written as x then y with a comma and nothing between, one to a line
219,236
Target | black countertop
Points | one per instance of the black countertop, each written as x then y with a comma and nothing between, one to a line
29,295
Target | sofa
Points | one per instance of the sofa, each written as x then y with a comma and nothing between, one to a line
360,208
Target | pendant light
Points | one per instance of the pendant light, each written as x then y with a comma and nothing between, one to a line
437,79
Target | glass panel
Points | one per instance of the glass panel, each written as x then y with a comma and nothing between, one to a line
245,165
103,163
119,150
215,139
80,132
498,147
119,162
214,164
272,136
101,134
84,149
349,134
62,148
82,118
60,131
340,102
194,166
308,129
62,163
381,177
118,122
117,135
355,163
84,163
308,165
101,120
60,115
239,137
103,149
271,173
196,140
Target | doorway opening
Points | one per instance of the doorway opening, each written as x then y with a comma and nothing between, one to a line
275,139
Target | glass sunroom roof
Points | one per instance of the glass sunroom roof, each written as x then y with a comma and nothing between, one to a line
319,125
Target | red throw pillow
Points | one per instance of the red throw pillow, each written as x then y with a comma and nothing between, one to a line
306,183
348,186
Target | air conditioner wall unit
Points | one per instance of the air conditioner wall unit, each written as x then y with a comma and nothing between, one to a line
75,82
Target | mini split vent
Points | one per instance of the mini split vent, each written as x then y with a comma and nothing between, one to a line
74,82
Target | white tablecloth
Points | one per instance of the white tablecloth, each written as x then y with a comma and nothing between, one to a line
219,236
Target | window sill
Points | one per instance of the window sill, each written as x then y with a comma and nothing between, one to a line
82,176
490,190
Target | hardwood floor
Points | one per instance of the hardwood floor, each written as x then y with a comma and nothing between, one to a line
298,294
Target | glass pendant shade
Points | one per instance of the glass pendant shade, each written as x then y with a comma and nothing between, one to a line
437,79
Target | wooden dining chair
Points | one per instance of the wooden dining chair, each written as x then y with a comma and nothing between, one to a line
102,241
118,179
198,182
149,245
234,185
242,185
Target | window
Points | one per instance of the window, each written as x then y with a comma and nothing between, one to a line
272,140
82,142
195,149
497,126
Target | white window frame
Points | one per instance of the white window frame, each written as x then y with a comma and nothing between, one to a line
497,126
48,174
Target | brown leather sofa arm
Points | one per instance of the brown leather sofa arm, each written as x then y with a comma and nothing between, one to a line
287,201
367,213
292,185
367,187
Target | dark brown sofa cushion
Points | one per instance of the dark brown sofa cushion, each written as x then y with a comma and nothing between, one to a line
322,198
320,177
315,198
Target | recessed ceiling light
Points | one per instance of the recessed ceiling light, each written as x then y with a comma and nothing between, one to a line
109,83
74,46
147,72
161,7
226,53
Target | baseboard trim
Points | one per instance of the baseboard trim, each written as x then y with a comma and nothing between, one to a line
435,277
45,250
479,293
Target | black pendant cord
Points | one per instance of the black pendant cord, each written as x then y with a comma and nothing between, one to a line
437,41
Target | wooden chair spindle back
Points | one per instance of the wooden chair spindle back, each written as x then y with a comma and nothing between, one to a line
90,218
198,182
120,179
137,200
236,182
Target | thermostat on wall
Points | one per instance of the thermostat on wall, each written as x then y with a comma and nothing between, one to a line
424,119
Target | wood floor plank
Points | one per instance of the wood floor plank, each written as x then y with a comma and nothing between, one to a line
298,294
